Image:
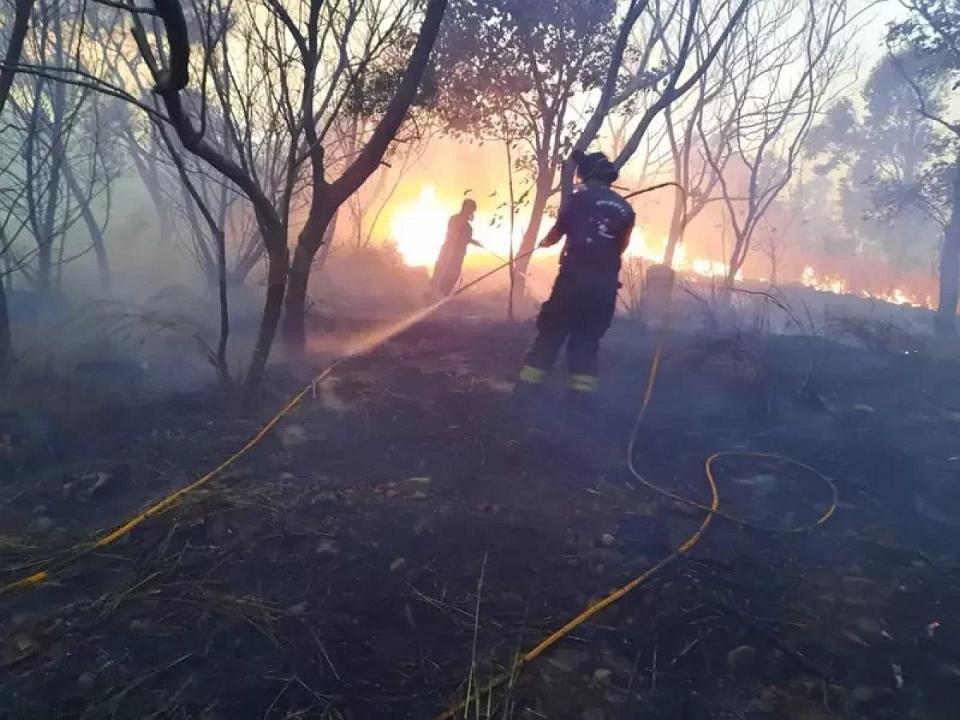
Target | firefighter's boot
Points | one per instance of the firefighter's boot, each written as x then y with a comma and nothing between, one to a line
529,385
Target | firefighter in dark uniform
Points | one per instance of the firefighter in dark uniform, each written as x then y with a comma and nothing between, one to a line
597,223
449,265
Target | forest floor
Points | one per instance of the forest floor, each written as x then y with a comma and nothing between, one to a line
412,528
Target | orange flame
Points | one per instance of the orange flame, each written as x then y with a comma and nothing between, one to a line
839,286
418,228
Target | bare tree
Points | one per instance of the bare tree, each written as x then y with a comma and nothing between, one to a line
799,77
11,57
327,196
197,200
667,73
348,136
368,204
699,120
279,74
702,124
66,164
155,154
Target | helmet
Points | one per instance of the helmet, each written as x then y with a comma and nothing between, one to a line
595,166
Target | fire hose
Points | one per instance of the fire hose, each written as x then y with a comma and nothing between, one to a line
711,511
76,553
73,555
498,256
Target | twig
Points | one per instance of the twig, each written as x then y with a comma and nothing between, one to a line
132,589
438,604
476,633
276,699
117,697
686,650
653,678
323,651
128,7
633,672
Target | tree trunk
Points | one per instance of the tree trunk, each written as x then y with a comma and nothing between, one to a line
567,177
676,226
96,236
950,265
247,259
726,292
328,235
295,319
223,370
308,243
47,240
18,32
55,195
530,235
741,246
100,250
513,218
327,198
277,269
219,233
44,268
6,342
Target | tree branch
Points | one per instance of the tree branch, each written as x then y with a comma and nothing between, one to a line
369,158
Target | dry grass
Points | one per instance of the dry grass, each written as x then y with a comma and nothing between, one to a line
877,335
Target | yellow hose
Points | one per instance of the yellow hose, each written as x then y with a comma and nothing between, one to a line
79,552
74,554
712,510
164,503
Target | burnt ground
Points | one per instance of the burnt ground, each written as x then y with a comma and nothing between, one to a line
337,571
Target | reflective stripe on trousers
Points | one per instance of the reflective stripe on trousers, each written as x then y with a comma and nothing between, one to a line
532,375
583,383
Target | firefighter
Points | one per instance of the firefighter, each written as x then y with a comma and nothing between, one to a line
449,265
597,223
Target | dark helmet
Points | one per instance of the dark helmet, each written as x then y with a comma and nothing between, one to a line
595,166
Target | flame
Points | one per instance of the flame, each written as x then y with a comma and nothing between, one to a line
828,283
839,286
898,296
713,269
418,228
705,267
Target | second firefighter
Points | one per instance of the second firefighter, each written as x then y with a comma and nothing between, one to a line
597,224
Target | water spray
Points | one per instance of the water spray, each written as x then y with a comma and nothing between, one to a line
52,567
